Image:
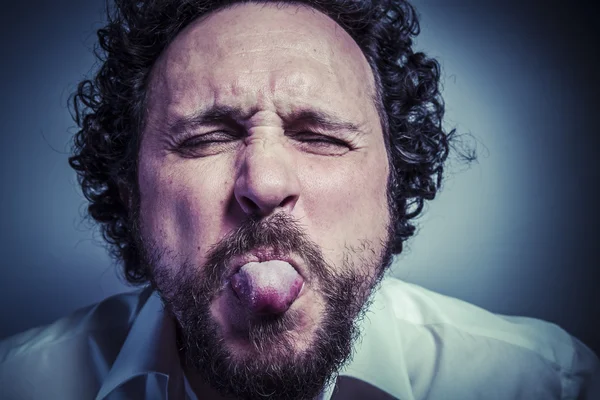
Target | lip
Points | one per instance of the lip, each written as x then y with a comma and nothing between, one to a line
261,255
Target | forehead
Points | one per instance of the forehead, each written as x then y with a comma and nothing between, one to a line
260,56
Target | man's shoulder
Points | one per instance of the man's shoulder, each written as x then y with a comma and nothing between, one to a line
70,357
412,305
433,344
112,316
416,305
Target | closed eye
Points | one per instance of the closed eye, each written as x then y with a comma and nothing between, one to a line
321,144
310,137
206,144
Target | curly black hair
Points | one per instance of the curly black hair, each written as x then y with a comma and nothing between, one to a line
109,109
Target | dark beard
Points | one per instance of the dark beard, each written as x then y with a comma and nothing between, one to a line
276,370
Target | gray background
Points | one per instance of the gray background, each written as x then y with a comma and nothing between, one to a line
516,233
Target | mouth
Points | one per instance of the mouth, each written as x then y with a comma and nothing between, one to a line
261,255
265,282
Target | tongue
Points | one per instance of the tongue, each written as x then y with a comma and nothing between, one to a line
267,287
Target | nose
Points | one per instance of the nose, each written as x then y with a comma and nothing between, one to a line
267,182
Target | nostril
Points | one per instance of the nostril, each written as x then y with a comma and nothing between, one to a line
248,205
288,202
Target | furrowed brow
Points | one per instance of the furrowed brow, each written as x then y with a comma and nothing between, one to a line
326,121
217,114
233,116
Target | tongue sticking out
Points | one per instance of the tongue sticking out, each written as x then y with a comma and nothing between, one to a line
268,287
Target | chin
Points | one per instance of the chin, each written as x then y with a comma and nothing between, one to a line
268,337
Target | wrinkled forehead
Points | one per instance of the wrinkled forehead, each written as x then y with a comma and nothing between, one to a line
252,41
252,26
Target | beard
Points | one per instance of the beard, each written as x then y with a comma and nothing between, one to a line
273,368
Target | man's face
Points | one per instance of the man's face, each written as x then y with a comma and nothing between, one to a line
262,142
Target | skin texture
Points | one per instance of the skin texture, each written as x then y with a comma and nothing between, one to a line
199,180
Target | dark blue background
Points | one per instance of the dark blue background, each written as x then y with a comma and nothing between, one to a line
516,233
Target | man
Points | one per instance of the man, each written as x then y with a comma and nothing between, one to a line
259,163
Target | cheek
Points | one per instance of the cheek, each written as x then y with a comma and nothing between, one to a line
182,205
347,201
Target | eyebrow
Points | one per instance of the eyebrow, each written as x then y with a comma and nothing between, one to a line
326,121
233,116
211,115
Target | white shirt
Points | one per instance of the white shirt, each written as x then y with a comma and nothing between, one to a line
415,344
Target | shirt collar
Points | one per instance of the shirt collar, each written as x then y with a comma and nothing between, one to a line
150,348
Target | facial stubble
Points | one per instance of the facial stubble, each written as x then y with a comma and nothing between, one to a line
276,368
